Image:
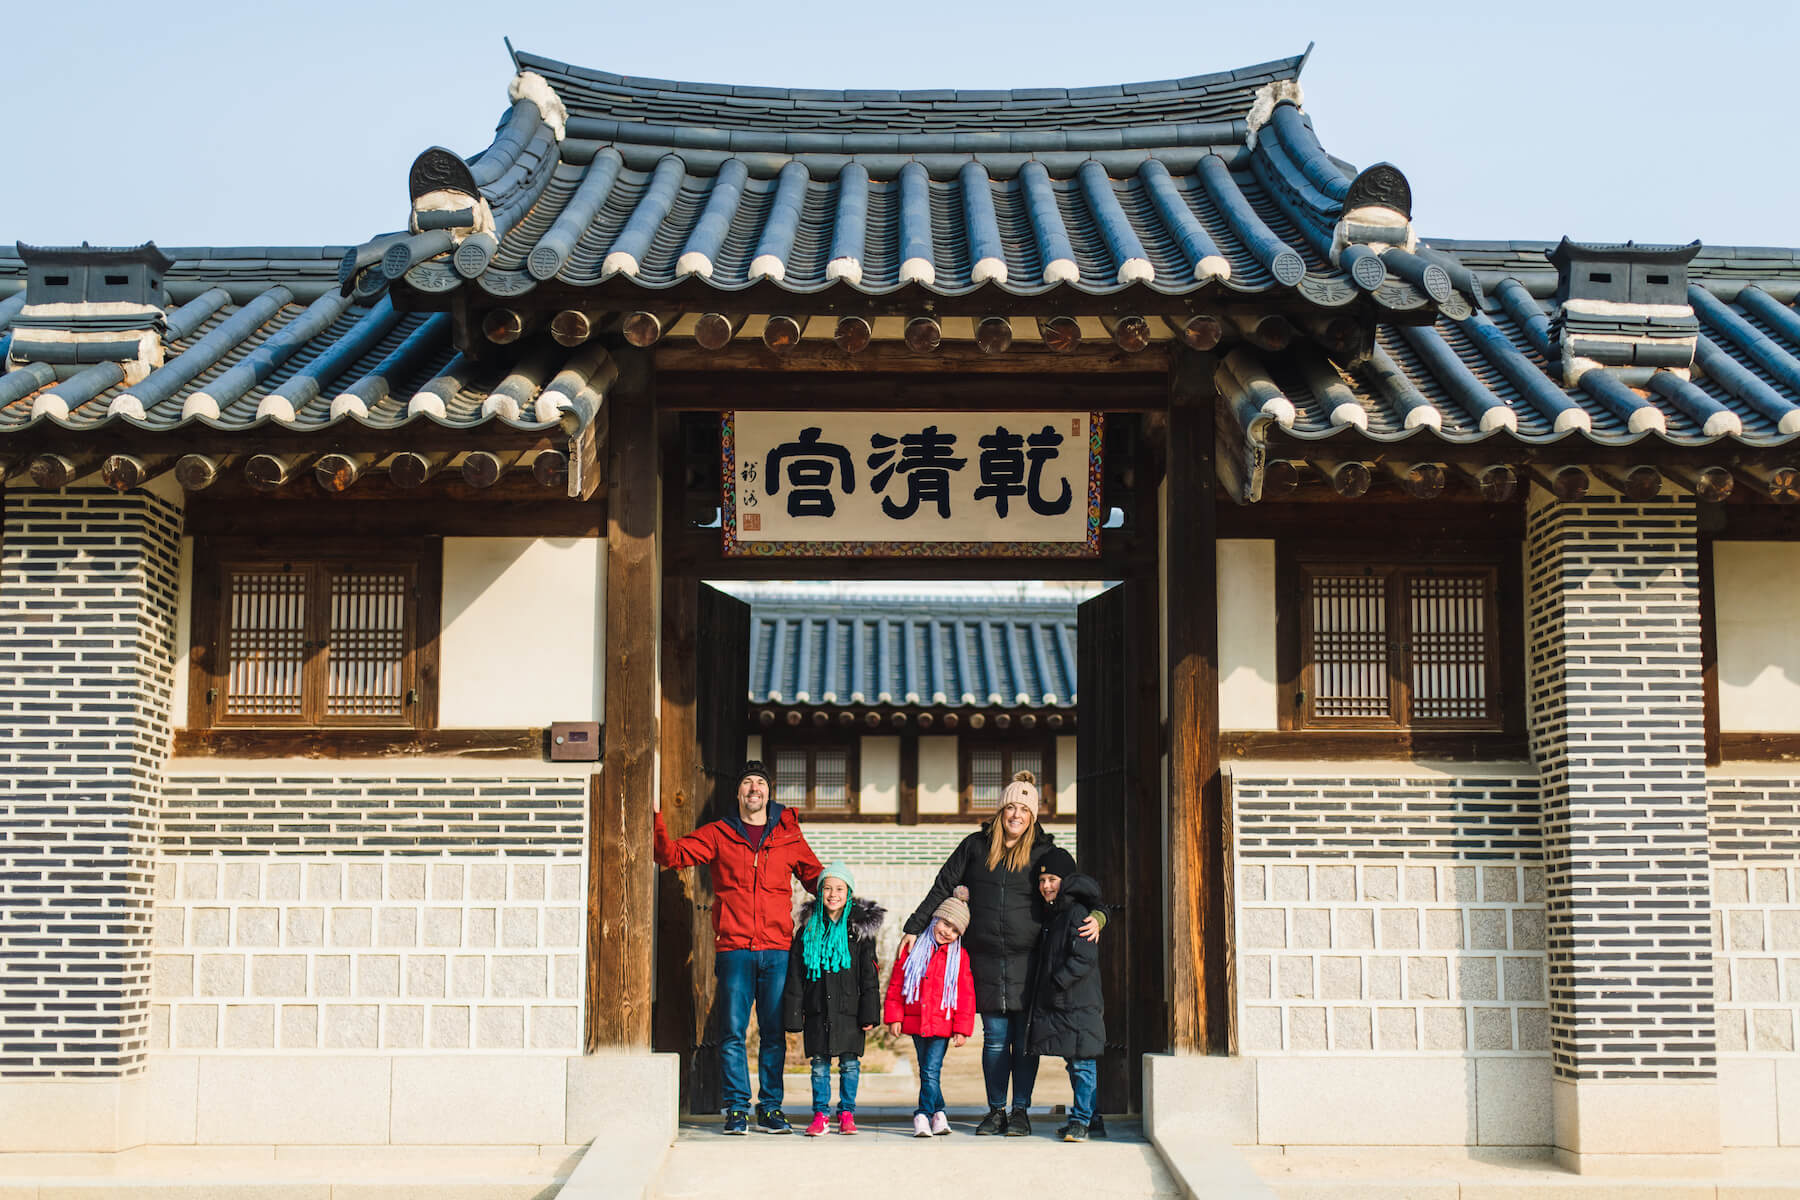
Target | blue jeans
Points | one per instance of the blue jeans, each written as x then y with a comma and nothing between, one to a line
1003,1059
849,1071
751,978
931,1063
1083,1077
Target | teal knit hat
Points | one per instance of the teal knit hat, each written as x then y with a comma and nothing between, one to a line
838,870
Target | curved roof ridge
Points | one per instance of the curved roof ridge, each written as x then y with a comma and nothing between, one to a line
591,94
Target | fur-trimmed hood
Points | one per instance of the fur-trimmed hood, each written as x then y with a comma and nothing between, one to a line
866,917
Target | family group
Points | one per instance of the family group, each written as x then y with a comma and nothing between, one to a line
1009,930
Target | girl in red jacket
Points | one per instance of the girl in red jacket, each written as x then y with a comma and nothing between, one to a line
931,995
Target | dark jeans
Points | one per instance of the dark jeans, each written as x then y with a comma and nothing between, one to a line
1003,1059
849,1071
751,978
931,1063
1083,1077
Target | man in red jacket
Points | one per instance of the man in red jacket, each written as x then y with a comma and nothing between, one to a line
753,853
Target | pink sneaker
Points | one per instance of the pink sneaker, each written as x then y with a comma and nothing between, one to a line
940,1123
846,1123
921,1125
817,1128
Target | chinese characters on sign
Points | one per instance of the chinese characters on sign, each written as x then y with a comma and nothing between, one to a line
868,483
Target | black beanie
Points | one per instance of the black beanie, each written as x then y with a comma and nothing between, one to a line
1057,862
755,767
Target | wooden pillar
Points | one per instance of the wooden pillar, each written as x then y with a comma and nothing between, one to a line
909,778
621,871
1199,1017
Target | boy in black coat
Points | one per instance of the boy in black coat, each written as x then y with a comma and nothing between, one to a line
1066,1004
833,994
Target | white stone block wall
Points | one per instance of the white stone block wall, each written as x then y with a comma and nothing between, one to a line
1391,957
1756,938
383,953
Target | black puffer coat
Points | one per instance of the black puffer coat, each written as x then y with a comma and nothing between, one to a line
832,1009
1003,927
1067,1017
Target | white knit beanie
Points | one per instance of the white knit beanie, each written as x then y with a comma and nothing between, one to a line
1022,790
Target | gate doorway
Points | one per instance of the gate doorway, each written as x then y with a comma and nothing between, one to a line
891,776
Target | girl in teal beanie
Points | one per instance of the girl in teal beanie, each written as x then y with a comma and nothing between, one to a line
833,996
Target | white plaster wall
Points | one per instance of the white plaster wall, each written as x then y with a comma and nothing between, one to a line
1247,691
1759,640
880,782
1065,777
521,634
937,775
184,620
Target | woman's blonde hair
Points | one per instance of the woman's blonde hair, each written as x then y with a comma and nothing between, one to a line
1018,856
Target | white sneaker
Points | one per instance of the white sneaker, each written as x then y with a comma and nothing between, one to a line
940,1123
921,1125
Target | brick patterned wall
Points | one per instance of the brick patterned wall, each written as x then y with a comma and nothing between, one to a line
1613,635
1372,817
1753,819
87,610
391,953
360,813
1391,957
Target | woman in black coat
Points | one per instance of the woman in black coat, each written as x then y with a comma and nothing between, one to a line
833,995
995,865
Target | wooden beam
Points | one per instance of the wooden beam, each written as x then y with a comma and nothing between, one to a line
1497,484
1711,484
409,469
218,742
1062,335
1420,480
990,384
338,472
714,331
958,358
1760,747
1130,334
504,326
1780,484
994,335
550,467
622,873
1352,744
53,471
123,472
782,333
1281,478
1266,331
644,329
484,468
679,1017
923,335
1198,1015
1639,483
1567,484
268,472
1347,479
374,515
852,335
1203,331
574,326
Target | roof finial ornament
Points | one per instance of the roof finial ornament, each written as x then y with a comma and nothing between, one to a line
1262,108
529,85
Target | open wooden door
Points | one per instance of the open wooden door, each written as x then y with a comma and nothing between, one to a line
1119,836
706,685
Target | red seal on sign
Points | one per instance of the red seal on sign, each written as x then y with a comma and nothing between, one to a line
752,522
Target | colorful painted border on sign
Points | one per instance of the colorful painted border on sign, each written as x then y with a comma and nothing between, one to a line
1089,547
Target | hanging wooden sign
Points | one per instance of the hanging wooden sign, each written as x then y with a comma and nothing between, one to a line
948,484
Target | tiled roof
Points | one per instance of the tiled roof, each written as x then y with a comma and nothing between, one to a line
1495,376
1177,187
981,654
261,339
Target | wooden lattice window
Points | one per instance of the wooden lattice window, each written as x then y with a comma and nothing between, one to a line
312,642
988,765
815,778
1397,645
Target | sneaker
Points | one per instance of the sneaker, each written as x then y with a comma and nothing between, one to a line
921,1125
1018,1122
737,1123
940,1123
846,1123
1097,1126
994,1122
773,1120
818,1126
1075,1131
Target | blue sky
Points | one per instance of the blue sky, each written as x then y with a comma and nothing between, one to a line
284,123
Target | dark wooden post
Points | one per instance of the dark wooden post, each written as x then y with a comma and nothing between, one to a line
909,778
1199,1018
621,872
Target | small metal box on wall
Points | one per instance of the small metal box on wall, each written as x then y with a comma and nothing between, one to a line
575,741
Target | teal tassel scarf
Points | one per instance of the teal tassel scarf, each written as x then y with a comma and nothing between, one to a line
825,943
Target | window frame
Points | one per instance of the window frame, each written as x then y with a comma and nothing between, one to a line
1298,562
214,557
1008,741
812,744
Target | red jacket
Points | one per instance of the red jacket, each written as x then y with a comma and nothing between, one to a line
926,1017
754,905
